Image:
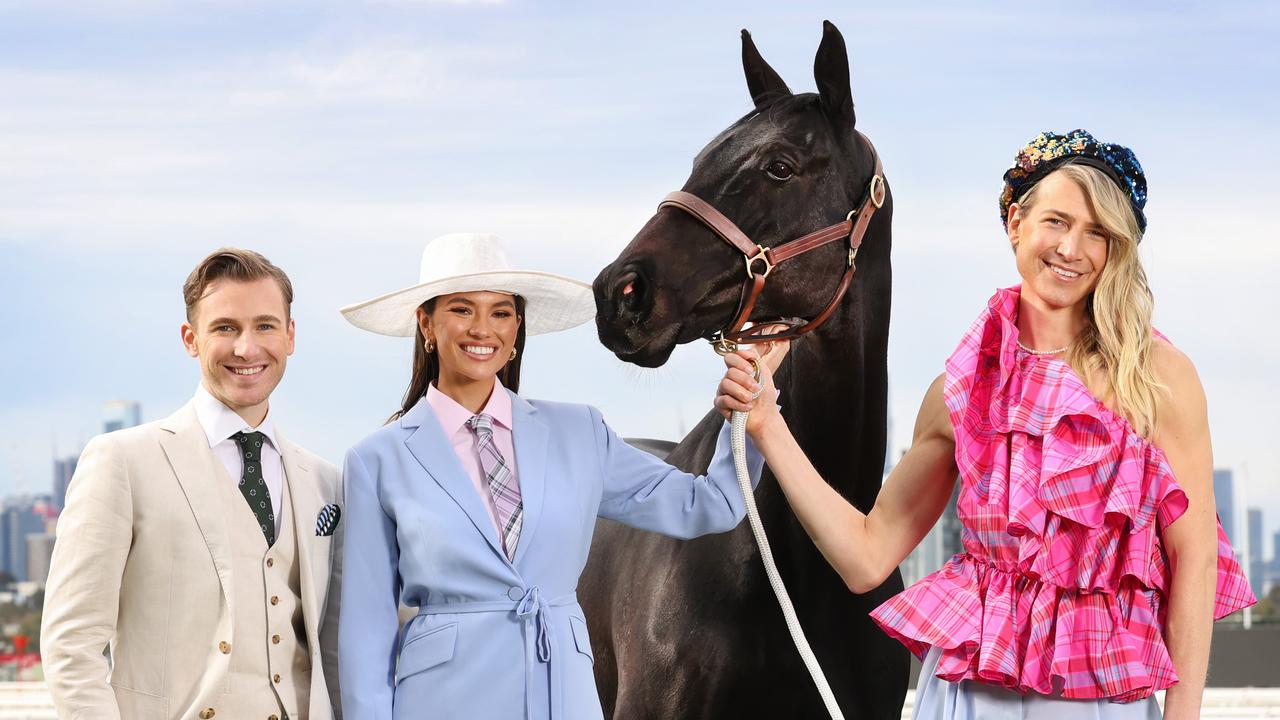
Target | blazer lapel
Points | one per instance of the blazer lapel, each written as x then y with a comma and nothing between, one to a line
303,505
428,444
530,435
193,463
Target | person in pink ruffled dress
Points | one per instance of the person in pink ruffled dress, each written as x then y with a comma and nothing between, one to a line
1093,564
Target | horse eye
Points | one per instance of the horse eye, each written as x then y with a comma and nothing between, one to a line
779,170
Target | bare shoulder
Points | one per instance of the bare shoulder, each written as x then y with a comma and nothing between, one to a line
1181,407
1172,366
934,421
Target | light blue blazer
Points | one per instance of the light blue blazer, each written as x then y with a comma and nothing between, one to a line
494,639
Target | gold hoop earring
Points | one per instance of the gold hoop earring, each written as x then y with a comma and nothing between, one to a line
429,346
513,355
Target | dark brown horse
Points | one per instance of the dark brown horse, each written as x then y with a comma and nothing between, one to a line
691,629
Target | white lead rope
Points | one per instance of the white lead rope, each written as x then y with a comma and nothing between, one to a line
738,443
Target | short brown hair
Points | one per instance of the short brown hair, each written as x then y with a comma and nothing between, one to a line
232,264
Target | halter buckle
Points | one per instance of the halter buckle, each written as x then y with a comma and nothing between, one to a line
876,191
762,257
722,345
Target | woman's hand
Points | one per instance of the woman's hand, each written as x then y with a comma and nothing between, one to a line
739,390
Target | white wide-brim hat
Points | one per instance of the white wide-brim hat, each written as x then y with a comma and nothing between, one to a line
470,262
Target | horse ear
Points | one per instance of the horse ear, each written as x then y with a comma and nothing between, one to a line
831,71
763,81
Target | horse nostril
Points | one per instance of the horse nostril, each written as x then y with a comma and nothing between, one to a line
629,292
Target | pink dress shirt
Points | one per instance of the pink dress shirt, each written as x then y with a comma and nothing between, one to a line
453,418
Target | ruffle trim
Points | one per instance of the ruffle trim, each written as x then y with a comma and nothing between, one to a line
1074,606
1009,629
1084,492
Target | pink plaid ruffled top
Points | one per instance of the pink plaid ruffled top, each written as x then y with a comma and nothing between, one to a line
1061,588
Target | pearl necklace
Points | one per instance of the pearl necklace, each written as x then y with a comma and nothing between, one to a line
1043,352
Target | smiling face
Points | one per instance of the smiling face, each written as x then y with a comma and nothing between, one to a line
242,334
1060,244
473,334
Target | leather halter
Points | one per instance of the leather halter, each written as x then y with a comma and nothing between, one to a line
760,260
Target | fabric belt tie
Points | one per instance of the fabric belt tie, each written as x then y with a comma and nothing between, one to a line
539,636
532,609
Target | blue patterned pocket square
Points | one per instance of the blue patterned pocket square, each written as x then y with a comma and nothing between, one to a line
327,521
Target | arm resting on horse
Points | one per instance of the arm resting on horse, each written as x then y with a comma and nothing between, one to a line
644,492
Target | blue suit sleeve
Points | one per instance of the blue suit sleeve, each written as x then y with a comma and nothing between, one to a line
644,492
368,626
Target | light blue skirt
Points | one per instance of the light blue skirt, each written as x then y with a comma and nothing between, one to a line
938,699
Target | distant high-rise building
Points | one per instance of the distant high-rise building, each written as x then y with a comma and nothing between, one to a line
16,523
120,414
1224,496
1273,577
39,554
1257,571
62,471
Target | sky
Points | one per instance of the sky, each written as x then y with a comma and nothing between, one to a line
338,138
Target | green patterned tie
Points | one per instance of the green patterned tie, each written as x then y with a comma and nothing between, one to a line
252,486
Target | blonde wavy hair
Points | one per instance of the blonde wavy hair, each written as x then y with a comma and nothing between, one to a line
1113,354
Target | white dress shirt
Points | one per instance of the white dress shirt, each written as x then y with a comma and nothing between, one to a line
220,423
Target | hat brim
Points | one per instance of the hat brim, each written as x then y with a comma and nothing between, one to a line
553,302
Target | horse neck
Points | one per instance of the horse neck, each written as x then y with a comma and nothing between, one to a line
834,389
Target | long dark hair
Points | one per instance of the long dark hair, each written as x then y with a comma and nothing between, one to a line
426,366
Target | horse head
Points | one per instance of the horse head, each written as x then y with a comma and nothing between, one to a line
792,165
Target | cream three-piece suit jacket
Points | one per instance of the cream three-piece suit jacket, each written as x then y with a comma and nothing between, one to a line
143,563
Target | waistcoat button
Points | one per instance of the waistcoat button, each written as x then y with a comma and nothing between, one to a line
275,639
225,647
207,713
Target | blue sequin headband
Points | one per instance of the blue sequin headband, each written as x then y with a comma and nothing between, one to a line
1049,151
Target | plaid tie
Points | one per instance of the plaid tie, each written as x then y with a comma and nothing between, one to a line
503,486
252,486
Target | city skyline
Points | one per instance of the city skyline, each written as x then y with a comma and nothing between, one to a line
28,522
942,541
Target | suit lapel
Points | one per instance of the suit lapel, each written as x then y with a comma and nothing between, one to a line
435,454
302,504
530,435
194,466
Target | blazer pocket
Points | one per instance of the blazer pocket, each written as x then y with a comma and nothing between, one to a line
425,651
137,705
580,637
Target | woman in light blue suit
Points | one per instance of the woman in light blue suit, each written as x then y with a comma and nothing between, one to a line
488,548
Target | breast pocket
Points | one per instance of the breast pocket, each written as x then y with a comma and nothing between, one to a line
427,650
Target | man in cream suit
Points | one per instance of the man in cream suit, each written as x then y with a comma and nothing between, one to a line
202,549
